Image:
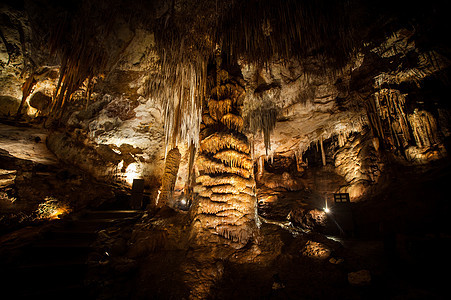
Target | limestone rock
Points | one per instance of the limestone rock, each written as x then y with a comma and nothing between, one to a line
40,100
305,218
417,155
8,105
7,177
285,181
358,162
316,250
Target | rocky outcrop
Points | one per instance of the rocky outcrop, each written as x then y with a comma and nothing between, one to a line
311,104
316,250
109,111
359,163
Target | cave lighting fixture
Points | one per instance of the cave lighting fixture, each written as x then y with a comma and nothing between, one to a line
326,208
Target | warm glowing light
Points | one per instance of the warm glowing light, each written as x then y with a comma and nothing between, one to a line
52,209
31,111
116,151
158,197
326,208
57,213
183,201
132,173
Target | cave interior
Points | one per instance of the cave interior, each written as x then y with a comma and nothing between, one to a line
198,149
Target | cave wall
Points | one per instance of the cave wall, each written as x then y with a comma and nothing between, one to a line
111,129
389,96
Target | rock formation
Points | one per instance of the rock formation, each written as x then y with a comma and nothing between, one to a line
243,118
226,202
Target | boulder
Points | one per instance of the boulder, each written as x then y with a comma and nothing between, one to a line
40,101
312,219
316,250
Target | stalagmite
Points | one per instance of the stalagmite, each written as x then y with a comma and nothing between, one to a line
234,159
388,119
225,204
260,167
169,176
218,108
239,182
210,166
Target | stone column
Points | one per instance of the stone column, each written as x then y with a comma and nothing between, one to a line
225,204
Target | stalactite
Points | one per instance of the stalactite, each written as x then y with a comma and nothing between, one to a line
27,88
260,116
233,121
286,28
260,167
181,90
342,138
234,159
221,140
424,128
323,154
82,54
387,118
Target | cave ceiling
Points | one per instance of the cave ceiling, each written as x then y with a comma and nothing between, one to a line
141,70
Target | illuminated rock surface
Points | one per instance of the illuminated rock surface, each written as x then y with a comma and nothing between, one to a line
318,98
